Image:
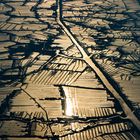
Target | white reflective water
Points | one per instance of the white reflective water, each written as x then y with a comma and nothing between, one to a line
69,104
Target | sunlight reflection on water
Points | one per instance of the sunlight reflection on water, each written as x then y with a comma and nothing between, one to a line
69,106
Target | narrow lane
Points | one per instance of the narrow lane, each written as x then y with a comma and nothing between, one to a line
130,115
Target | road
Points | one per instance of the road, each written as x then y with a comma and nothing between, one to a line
130,115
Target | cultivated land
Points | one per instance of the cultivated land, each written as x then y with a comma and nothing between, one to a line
69,70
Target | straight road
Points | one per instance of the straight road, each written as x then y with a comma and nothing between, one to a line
130,115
